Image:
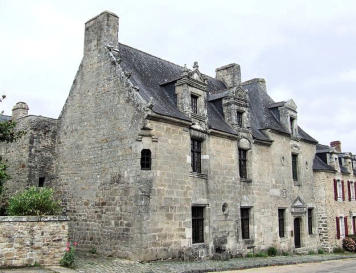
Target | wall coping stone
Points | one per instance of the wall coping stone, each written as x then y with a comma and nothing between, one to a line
49,218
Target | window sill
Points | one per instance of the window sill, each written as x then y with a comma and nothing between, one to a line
246,180
283,239
248,241
198,175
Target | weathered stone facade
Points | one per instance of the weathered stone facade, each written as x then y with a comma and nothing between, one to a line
335,195
218,148
29,240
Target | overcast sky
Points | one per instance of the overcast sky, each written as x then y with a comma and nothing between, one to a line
306,50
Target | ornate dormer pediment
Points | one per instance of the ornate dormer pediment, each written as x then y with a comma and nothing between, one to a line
291,105
195,73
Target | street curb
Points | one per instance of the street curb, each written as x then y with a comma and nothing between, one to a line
268,264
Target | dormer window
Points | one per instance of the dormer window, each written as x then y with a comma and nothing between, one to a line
194,102
239,118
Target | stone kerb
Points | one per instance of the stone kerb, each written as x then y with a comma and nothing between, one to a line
26,240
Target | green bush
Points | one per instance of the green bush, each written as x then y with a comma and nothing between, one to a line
320,251
311,252
250,255
33,201
353,237
285,253
261,255
272,251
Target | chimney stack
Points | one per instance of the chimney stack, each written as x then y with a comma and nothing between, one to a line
229,74
337,145
19,110
100,31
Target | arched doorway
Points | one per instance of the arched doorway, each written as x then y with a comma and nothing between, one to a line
297,233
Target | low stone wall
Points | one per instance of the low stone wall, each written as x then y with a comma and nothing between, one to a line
26,240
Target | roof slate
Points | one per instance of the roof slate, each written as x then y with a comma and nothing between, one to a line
155,77
319,165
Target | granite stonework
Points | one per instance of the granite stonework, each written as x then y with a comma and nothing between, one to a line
29,240
124,101
330,204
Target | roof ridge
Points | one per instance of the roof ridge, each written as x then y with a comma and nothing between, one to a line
144,52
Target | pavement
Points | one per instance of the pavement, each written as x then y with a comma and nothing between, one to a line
89,263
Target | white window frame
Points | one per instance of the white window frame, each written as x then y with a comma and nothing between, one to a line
342,226
352,190
339,190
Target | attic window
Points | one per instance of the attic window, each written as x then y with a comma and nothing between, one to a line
194,101
291,124
239,118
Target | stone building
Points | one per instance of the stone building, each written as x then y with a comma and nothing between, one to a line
153,160
335,191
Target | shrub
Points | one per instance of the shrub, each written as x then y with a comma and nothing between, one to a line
352,236
250,255
285,253
69,256
311,252
320,251
338,250
92,250
33,201
272,251
261,254
349,244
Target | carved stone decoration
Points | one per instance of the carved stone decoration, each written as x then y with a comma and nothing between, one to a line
298,207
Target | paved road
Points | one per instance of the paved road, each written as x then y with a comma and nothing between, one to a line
344,266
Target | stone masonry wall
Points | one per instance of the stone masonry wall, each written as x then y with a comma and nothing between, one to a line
174,190
96,167
272,187
26,240
32,156
331,209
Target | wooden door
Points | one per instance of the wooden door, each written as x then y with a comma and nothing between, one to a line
297,232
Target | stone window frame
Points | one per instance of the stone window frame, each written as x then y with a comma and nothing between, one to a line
146,159
352,189
240,118
196,154
244,144
245,217
295,171
282,222
310,216
194,103
342,226
198,220
340,190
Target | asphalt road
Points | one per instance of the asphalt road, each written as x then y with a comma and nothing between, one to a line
344,266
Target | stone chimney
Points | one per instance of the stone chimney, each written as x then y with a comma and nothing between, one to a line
337,145
229,74
100,31
19,110
257,84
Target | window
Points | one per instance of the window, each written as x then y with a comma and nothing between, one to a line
354,224
243,163
339,190
342,227
291,124
41,182
196,155
239,118
310,221
194,101
198,224
146,159
245,223
295,167
281,213
351,189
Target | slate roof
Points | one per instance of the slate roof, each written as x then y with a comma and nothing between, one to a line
319,165
156,77
4,118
